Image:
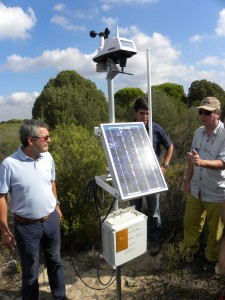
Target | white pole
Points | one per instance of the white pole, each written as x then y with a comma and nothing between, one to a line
111,101
149,93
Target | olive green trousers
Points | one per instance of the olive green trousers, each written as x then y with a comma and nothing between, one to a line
196,213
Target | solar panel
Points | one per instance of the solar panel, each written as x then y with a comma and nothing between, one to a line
131,160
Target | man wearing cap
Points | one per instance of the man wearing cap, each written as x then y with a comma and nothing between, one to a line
205,183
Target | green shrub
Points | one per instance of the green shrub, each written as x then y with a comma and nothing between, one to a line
79,158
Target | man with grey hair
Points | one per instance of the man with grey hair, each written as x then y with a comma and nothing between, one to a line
205,183
28,175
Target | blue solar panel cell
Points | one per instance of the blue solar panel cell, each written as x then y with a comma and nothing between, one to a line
131,159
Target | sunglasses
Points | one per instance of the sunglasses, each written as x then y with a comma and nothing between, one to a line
42,138
204,112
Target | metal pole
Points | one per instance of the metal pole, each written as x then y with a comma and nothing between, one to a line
116,204
149,93
118,283
111,101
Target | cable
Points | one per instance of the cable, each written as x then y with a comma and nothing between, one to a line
91,195
93,288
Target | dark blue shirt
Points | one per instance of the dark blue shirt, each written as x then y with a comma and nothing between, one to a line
160,138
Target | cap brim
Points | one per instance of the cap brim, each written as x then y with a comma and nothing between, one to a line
207,108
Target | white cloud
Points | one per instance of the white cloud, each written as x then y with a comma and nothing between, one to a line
212,61
67,59
197,38
66,24
108,4
60,7
15,23
220,29
109,22
166,65
17,106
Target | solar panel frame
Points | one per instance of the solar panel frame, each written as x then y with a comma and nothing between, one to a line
131,159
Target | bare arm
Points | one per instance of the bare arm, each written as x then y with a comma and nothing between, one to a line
57,206
195,160
189,174
167,157
6,235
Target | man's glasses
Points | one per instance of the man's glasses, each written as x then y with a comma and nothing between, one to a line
42,138
204,112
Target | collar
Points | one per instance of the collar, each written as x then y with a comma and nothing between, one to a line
24,157
217,130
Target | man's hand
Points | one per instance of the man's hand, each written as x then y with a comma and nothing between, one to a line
59,213
8,240
163,170
194,158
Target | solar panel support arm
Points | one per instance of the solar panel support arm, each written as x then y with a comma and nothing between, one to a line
102,182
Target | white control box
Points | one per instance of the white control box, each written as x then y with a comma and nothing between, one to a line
124,236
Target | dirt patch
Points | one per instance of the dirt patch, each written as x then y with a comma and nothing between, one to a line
145,277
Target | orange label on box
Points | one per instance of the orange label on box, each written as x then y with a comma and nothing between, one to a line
121,240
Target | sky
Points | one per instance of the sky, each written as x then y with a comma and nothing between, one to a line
39,39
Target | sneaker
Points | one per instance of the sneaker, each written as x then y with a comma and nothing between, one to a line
209,266
154,248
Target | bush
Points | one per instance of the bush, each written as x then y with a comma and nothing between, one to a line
79,158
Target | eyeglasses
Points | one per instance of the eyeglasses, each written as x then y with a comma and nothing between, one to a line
42,138
204,112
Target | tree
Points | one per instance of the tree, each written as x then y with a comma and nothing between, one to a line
200,89
79,157
71,99
174,90
123,99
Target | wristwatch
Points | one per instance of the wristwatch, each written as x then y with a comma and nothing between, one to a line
58,203
165,166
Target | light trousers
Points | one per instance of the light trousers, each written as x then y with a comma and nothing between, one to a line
196,213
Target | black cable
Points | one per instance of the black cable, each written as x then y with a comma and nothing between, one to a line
91,193
93,288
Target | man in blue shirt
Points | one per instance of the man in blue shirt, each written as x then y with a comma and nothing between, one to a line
159,139
28,175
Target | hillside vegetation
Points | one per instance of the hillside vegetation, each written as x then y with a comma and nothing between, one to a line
73,106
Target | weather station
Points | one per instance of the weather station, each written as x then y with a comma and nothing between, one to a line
133,168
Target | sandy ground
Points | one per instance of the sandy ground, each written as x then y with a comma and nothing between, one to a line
88,286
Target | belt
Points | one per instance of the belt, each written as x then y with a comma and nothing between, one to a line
30,221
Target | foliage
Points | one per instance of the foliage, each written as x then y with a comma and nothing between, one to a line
176,91
123,99
79,158
71,99
200,89
12,121
174,254
175,118
9,139
172,202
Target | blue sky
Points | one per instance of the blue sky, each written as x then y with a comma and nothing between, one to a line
38,39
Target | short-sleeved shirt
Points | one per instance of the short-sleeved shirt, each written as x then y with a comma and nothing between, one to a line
210,183
160,138
29,183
